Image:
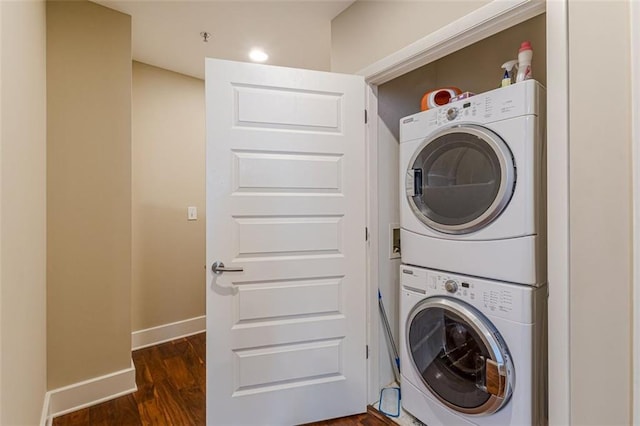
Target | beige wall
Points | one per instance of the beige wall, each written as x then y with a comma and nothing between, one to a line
168,175
475,68
88,191
600,213
22,212
368,31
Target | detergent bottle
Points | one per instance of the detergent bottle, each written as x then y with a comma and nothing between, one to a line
525,54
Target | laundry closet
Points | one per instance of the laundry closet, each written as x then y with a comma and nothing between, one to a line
477,69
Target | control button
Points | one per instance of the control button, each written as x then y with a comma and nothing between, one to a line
452,113
434,283
451,286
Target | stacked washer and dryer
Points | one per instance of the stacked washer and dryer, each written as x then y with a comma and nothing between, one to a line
473,275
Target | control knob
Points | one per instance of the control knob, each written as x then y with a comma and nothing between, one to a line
451,286
452,113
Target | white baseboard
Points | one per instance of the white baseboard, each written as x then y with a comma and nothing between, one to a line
45,418
77,396
87,393
167,332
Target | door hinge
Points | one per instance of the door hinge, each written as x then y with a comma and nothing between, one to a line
366,233
366,118
367,351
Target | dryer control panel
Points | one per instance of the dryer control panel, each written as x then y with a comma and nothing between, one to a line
493,298
500,104
469,109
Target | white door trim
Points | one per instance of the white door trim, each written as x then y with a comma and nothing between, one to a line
558,248
373,317
634,14
479,24
475,26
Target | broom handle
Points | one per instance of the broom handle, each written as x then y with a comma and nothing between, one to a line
385,322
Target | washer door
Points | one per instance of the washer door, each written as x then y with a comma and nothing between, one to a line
460,179
460,356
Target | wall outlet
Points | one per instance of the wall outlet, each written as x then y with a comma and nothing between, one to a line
192,213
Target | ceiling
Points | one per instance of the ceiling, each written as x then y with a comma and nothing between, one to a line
167,33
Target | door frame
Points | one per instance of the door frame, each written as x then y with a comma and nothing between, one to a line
475,26
634,15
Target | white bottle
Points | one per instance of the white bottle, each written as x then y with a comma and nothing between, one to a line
525,54
507,77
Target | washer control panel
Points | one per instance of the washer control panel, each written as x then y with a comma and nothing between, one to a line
506,300
451,286
489,298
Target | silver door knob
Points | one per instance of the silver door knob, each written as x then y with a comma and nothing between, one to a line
218,268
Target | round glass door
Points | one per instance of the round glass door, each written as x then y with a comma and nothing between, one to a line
460,179
459,356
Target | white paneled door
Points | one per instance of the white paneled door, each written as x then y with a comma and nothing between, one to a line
286,205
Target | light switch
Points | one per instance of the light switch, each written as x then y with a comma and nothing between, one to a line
192,213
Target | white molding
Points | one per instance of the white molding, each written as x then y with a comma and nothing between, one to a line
90,392
167,332
45,418
634,13
372,255
479,24
558,242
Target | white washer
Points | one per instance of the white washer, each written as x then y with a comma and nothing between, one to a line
472,350
472,179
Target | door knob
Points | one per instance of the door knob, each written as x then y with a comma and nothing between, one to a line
218,268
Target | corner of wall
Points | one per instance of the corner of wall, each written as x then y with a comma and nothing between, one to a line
87,393
22,211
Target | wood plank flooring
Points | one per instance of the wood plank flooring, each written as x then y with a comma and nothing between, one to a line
171,380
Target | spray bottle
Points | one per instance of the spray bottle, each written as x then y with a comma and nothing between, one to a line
525,54
507,78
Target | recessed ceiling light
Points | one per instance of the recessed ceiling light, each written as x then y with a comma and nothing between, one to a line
258,55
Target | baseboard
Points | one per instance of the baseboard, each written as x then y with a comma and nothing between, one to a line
167,332
89,392
45,419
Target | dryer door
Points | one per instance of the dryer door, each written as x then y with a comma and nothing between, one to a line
460,179
460,356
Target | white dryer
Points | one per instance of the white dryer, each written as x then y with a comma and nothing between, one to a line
472,350
473,182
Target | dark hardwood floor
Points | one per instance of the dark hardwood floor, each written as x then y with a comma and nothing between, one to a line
171,380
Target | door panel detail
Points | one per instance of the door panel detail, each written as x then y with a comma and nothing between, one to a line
287,173
273,368
272,108
291,236
268,301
